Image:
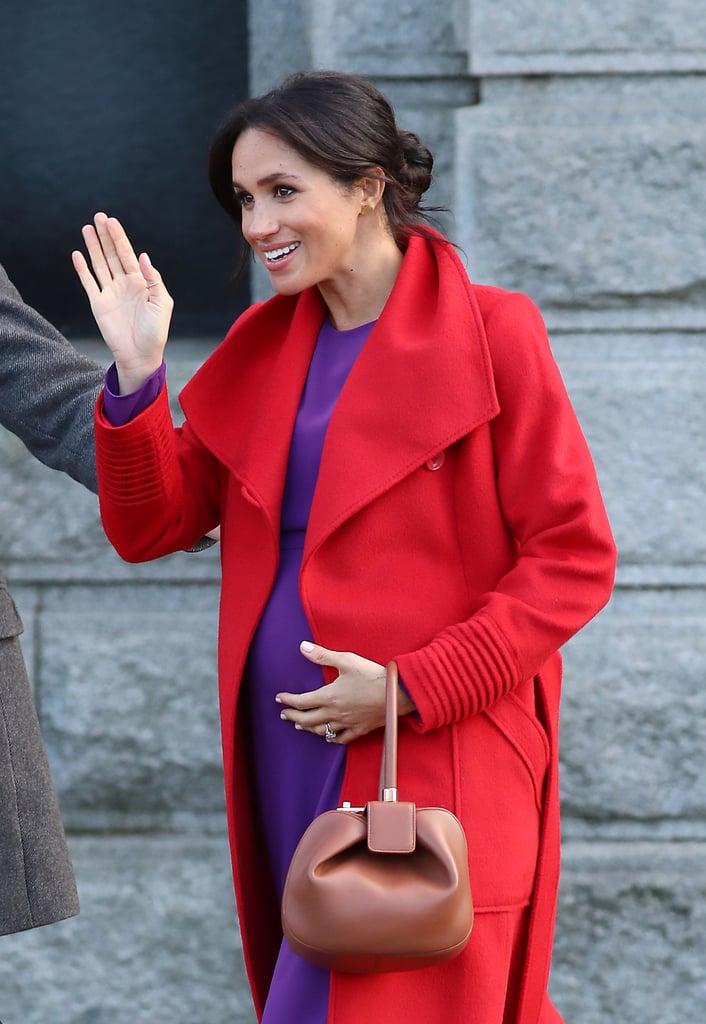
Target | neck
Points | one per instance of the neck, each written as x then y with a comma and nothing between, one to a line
360,297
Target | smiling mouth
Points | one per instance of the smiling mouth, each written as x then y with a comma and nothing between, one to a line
275,255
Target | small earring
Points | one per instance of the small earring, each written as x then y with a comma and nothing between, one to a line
365,210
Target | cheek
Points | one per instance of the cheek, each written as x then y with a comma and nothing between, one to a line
344,228
245,227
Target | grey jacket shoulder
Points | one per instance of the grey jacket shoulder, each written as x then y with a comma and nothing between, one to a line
47,389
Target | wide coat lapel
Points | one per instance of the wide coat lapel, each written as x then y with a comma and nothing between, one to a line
257,374
423,380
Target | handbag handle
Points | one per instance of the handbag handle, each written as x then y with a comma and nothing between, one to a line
389,752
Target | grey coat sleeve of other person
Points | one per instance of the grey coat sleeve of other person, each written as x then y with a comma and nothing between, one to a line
47,394
47,389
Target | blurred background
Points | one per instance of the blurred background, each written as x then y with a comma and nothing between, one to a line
104,107
571,149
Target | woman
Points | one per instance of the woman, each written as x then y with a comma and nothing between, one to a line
399,474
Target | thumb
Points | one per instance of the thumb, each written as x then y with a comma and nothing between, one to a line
321,655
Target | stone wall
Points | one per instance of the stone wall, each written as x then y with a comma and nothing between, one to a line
570,145
579,179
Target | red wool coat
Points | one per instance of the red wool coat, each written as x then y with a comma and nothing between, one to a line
457,526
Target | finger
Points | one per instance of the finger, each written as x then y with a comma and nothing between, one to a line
306,721
85,276
153,279
97,256
307,701
343,735
124,252
107,242
330,732
322,656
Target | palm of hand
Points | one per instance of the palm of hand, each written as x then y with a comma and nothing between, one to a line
129,321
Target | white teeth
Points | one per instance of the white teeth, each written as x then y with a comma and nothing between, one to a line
275,254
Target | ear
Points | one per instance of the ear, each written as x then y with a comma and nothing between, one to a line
371,190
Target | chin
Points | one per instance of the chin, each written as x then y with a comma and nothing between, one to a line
286,287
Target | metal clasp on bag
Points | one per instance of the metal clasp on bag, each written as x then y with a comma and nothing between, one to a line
388,796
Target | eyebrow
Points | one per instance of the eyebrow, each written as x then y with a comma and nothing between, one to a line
269,179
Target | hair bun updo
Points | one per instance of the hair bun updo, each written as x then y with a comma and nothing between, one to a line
416,163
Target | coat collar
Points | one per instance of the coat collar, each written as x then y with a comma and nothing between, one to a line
422,381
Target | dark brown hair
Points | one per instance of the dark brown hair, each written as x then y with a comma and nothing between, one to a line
342,124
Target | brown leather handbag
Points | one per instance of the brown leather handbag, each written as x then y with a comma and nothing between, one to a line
383,887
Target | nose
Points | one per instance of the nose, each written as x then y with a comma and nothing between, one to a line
259,223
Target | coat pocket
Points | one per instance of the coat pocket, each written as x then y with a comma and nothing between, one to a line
10,621
527,736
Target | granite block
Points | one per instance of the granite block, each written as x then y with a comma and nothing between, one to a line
630,934
633,733
588,205
127,694
521,38
156,941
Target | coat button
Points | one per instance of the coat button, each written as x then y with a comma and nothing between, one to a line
436,462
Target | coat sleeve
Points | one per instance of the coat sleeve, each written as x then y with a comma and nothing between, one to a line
158,487
565,559
47,389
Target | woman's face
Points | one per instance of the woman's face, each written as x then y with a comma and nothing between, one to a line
301,223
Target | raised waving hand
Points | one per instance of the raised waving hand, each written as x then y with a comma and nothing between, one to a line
131,306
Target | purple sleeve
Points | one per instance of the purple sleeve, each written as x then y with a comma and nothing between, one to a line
400,683
120,409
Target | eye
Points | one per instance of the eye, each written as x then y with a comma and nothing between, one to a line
284,191
243,199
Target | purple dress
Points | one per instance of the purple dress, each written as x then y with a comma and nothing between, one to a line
297,774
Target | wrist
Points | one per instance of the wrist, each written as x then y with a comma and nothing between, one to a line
132,378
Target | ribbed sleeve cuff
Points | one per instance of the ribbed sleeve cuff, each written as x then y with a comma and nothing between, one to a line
459,674
131,459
